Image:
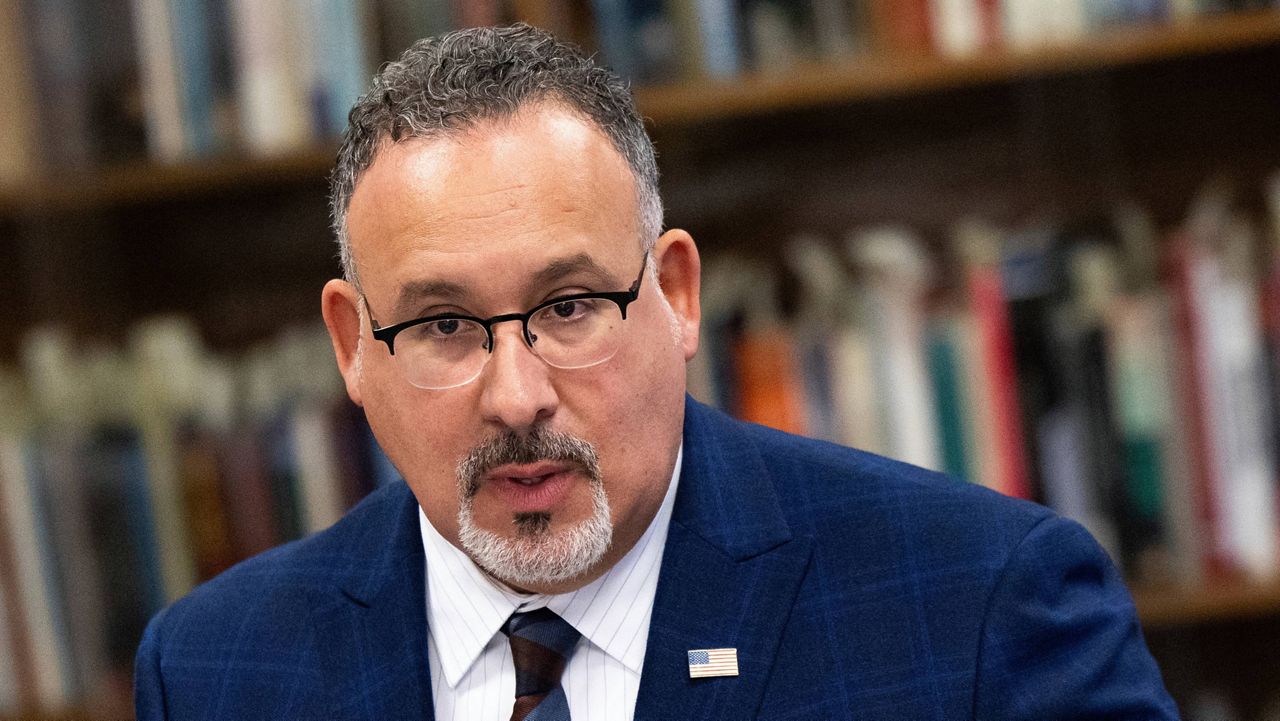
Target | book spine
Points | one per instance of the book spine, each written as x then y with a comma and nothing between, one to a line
60,60
189,22
1000,380
768,388
613,34
1193,372
319,487
947,381
341,59
35,564
18,137
21,666
275,114
158,65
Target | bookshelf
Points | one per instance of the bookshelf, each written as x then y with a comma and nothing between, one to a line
879,76
670,107
874,137
1164,608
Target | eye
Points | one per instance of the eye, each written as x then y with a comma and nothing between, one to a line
566,309
443,328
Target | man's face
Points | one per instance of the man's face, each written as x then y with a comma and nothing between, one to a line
495,221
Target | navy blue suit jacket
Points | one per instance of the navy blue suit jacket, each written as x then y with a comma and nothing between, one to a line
852,586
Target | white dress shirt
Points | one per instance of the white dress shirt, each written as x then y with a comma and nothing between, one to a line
472,674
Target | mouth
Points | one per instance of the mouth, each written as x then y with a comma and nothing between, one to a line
531,488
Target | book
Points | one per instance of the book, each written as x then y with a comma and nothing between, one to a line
901,26
895,279
193,25
60,487
707,36
961,27
1218,323
1004,450
340,58
60,57
768,387
945,352
402,22
15,643
824,285
272,77
161,85
18,135
9,699
34,563
164,370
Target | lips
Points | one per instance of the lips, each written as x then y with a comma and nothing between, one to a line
531,488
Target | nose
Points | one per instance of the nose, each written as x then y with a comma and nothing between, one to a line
517,392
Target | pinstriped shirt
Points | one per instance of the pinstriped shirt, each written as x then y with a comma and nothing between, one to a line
472,674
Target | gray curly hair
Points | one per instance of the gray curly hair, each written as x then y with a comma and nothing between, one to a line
452,82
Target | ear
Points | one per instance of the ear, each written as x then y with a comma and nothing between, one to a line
680,275
339,304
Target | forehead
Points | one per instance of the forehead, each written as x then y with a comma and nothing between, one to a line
541,184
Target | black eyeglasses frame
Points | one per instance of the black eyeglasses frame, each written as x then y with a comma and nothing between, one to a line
621,298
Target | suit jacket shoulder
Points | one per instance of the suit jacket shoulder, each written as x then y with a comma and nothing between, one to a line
280,635
923,596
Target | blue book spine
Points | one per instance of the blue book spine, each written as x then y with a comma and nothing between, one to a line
342,62
718,28
613,33
132,470
194,52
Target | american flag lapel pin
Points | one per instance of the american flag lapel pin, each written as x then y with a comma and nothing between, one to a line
708,662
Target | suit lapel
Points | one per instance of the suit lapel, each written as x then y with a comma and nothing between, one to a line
730,573
372,632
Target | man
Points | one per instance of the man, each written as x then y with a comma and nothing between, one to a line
575,537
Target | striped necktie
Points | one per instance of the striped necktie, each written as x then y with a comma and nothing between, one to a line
541,643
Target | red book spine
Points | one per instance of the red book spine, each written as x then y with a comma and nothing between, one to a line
1192,401
996,344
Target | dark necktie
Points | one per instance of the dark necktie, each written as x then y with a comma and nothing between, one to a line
541,643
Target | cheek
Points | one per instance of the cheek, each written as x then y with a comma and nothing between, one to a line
421,435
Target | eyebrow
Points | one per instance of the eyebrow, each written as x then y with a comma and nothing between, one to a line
573,265
413,292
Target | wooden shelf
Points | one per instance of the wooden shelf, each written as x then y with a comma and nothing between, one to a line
1162,607
146,181
859,78
870,77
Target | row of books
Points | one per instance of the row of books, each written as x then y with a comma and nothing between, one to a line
657,40
85,83
1129,380
128,476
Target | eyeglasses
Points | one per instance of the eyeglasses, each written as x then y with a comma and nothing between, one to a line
451,349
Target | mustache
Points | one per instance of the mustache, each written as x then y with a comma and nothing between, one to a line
510,447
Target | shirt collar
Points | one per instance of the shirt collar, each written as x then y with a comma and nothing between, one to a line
466,608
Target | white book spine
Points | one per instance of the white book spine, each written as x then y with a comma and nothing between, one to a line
1249,498
909,398
158,64
318,477
272,79
854,385
957,26
39,601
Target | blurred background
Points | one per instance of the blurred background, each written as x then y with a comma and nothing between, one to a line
1033,243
